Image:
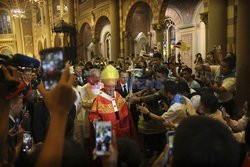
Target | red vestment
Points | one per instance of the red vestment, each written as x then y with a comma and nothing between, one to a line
103,110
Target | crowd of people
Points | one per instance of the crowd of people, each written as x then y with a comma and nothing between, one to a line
142,97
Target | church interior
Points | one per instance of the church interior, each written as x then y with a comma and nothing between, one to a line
133,41
28,26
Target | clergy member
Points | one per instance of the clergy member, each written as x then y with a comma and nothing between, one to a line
109,105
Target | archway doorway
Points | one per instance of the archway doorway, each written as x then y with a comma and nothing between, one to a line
183,24
103,35
139,23
107,45
172,23
85,40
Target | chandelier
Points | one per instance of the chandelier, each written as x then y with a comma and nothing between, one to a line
35,1
18,13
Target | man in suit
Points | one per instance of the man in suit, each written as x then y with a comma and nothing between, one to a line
122,86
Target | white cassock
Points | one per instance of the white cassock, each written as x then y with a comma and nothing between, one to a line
88,93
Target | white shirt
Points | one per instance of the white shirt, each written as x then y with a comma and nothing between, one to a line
122,85
78,97
12,118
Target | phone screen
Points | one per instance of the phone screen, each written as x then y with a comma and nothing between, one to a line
103,137
52,66
170,142
27,141
170,139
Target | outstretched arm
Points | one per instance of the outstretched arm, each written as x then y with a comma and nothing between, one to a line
59,101
145,111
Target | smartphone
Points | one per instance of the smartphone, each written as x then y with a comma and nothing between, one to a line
170,142
52,62
103,137
27,141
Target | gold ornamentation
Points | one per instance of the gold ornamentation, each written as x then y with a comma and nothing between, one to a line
100,107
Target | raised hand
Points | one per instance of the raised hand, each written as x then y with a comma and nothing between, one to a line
10,73
110,160
59,101
62,97
142,109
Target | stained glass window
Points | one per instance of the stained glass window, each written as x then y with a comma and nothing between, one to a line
5,23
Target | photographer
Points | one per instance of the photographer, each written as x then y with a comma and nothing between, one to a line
225,82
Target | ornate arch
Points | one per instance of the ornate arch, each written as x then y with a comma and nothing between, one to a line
82,31
84,40
197,9
83,26
104,12
131,8
163,5
6,47
86,20
107,45
174,14
103,20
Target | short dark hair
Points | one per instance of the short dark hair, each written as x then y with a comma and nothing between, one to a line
188,70
202,141
157,55
129,152
183,87
231,61
210,101
162,70
170,86
123,71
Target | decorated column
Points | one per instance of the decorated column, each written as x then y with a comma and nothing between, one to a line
47,23
159,28
115,34
243,50
127,38
217,24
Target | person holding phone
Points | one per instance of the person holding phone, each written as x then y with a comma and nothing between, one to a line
194,145
225,82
